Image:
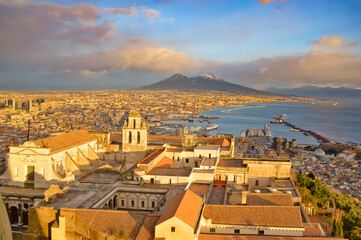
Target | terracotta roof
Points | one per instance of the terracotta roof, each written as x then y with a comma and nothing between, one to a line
65,141
273,216
163,137
147,230
200,188
108,221
162,171
152,156
116,138
185,206
165,162
269,199
223,142
248,237
312,231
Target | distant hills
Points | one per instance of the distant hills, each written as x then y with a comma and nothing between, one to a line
312,91
207,81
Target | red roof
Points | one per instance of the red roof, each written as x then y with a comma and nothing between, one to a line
185,206
165,162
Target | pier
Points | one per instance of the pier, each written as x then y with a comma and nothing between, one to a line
318,136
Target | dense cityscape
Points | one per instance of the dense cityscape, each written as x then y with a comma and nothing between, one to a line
180,120
115,166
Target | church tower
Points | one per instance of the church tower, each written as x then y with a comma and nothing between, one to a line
134,133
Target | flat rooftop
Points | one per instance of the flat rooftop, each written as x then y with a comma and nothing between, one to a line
235,163
98,177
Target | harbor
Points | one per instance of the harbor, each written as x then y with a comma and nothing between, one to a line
294,128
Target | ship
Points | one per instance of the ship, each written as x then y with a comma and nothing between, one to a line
195,129
295,130
279,122
212,127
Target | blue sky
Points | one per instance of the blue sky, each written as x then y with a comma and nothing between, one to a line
254,43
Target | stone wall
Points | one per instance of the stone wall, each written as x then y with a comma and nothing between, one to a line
5,229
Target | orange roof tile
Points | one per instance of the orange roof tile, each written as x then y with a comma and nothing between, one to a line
147,230
165,162
269,199
65,141
107,221
163,137
203,236
185,206
152,156
274,216
312,231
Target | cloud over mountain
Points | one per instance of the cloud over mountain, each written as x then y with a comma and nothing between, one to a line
335,66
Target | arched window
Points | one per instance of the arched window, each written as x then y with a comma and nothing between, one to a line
134,123
130,137
138,137
115,202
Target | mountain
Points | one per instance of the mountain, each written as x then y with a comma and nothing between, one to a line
206,82
312,91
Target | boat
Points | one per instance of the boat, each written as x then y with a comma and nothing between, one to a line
195,129
212,127
278,122
334,104
295,130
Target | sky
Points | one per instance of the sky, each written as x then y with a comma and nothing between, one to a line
122,44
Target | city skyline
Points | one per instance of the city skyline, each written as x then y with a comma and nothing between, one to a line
94,45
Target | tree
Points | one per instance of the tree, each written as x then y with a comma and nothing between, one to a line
355,233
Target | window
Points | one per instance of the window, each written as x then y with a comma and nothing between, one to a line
173,157
122,202
132,203
143,204
173,229
236,231
138,137
235,178
170,181
260,232
256,184
130,137
152,180
210,155
200,155
178,159
134,123
153,204
187,160
212,230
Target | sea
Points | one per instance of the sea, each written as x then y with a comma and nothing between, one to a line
339,120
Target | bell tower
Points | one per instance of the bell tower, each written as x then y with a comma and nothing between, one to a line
134,133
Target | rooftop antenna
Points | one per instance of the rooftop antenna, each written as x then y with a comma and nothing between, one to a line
28,138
